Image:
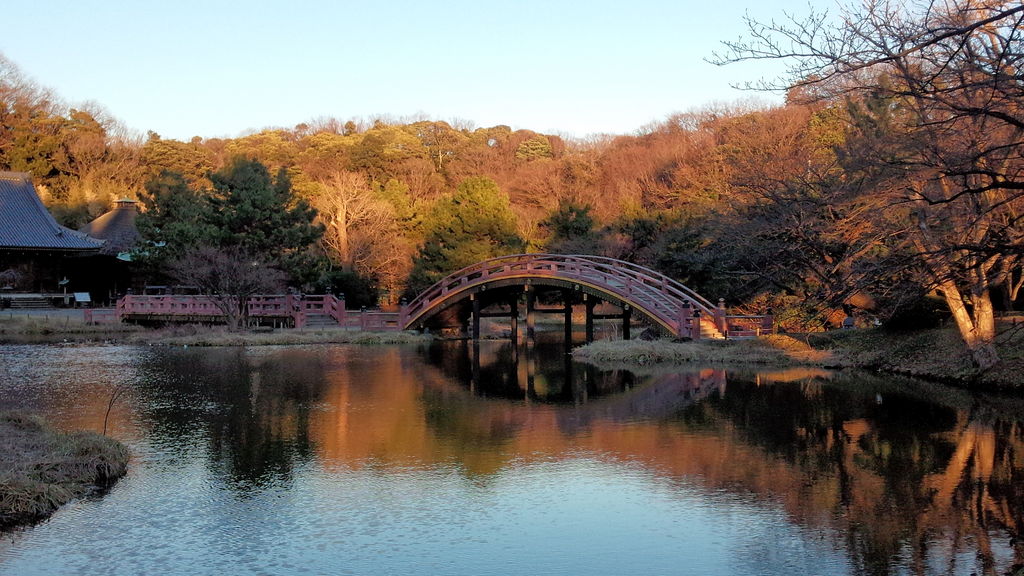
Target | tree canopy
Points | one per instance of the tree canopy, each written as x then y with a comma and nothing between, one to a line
936,122
891,174
246,211
474,223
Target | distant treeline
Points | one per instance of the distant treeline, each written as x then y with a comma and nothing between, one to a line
885,188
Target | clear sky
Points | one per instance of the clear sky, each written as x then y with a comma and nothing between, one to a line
216,68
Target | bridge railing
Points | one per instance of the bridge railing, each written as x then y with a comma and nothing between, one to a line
648,278
167,305
299,308
201,306
272,305
749,326
303,307
660,294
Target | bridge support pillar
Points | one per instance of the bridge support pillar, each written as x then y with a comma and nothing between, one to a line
567,297
531,375
589,304
474,381
513,319
476,317
627,315
530,314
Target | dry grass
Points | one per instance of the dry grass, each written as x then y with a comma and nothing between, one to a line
931,354
41,330
29,329
776,350
937,354
218,336
42,469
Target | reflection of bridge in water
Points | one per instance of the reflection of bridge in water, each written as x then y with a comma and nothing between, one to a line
505,287
545,374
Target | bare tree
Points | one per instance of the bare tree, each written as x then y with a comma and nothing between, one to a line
229,277
938,106
362,229
352,216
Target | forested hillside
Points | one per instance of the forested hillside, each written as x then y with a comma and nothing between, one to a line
884,188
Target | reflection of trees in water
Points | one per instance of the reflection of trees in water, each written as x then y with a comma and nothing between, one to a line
254,413
906,479
898,479
541,371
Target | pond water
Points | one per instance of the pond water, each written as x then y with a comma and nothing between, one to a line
454,459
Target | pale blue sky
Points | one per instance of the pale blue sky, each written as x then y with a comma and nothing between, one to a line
202,67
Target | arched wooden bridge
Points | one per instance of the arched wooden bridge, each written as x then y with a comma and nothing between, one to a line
664,302
492,288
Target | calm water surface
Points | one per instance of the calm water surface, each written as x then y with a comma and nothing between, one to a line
451,459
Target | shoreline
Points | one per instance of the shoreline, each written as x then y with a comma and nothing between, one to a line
42,469
41,328
936,354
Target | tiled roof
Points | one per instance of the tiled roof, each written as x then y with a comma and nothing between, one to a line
116,227
26,224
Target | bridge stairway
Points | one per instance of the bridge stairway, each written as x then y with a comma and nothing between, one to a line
320,321
708,332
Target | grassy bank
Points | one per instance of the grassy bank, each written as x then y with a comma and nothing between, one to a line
42,469
219,336
776,350
937,354
42,330
45,329
932,354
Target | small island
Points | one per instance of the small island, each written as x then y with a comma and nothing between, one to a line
43,469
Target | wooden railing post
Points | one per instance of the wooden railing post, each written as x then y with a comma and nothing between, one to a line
403,314
122,305
768,323
684,326
720,321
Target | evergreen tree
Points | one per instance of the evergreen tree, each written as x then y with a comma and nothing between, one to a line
571,229
473,224
175,221
258,214
247,212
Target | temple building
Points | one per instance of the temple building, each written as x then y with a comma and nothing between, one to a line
113,264
117,230
39,258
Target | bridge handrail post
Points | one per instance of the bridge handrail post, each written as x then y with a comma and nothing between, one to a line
720,320
768,323
122,306
684,320
403,314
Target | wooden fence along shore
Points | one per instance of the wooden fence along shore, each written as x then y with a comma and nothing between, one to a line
285,311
